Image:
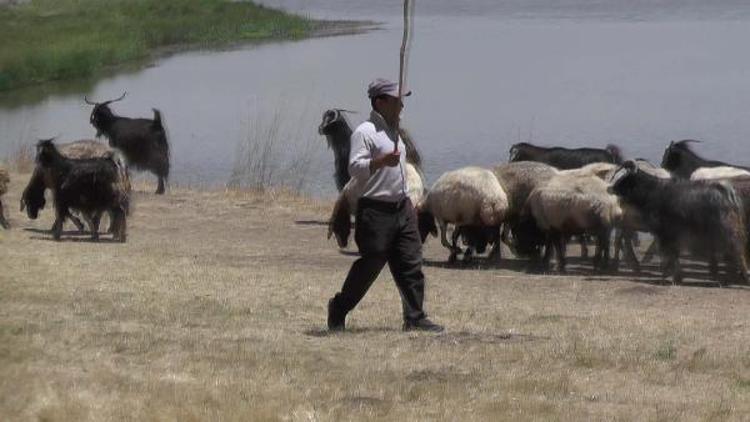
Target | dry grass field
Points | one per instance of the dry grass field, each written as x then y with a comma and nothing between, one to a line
215,310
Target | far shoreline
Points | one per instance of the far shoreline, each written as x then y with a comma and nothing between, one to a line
78,42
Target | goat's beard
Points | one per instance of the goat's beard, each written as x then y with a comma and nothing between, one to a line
98,133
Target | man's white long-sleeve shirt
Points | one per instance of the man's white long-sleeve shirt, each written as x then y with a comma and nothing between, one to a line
374,138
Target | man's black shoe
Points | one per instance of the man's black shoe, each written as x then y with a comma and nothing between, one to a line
336,319
423,324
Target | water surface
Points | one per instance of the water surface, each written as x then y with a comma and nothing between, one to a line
485,74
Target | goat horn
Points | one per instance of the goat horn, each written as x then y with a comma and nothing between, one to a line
343,110
88,101
117,99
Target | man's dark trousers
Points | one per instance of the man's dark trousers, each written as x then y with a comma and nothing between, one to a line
386,232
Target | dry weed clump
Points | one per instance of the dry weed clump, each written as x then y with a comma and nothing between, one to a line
275,153
21,158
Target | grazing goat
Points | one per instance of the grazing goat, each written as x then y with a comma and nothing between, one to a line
564,158
338,132
92,185
32,199
703,216
681,161
4,182
142,141
470,196
575,202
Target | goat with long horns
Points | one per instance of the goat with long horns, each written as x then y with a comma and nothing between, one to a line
142,141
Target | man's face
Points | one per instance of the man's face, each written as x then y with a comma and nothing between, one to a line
390,108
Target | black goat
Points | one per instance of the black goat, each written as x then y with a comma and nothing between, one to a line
33,200
704,216
565,158
338,133
92,185
681,161
142,141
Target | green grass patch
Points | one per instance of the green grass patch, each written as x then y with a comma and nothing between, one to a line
666,351
743,383
48,40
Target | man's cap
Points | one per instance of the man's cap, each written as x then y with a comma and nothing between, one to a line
382,86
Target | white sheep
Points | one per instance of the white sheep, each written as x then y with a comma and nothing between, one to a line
650,168
519,179
574,204
600,170
467,197
346,204
720,172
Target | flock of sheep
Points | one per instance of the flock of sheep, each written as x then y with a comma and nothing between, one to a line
534,203
90,178
544,196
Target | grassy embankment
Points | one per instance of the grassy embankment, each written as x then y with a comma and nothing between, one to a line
47,40
215,310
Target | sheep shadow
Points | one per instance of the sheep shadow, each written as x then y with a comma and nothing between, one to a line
311,223
479,263
349,253
49,232
460,338
73,239
70,236
694,274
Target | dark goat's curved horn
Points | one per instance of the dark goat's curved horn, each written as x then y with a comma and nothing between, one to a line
343,110
116,99
88,101
688,141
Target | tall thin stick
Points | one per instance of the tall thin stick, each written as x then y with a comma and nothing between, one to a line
405,40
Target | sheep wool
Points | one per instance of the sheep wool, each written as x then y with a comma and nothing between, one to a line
470,195
519,178
574,203
720,172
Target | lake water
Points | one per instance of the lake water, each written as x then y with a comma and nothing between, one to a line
485,74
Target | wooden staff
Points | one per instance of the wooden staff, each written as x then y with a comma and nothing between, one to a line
405,40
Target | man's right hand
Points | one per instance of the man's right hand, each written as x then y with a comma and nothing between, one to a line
391,160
